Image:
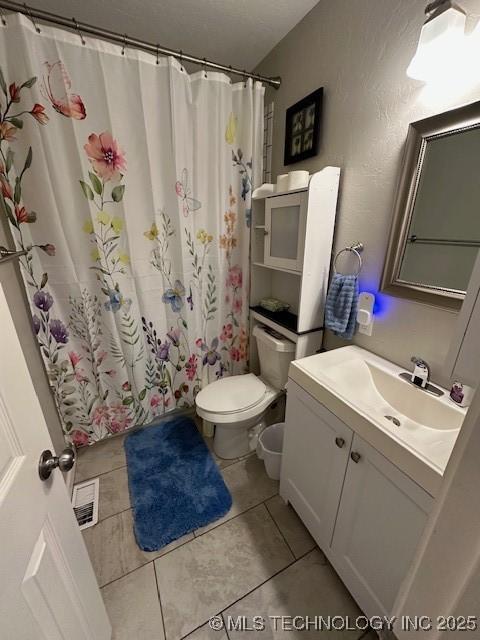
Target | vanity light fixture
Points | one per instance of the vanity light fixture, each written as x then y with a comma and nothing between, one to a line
440,48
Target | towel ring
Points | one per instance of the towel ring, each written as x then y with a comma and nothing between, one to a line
354,249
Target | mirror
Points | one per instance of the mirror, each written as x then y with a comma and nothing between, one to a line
436,232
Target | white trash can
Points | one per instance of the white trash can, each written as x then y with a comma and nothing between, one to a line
269,449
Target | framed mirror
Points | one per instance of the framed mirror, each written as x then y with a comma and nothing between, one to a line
435,235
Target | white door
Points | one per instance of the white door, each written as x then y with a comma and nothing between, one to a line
381,518
285,222
48,590
315,457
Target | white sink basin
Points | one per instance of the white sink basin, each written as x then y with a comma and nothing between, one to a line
363,389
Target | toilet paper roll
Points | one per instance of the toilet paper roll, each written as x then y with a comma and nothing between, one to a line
282,182
298,179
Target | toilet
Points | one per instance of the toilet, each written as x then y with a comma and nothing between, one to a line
236,406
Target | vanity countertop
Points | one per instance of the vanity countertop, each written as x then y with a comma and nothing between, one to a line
362,389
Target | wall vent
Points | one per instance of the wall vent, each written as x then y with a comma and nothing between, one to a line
85,502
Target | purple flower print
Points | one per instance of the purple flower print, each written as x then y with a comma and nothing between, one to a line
174,296
174,336
42,300
163,350
211,354
59,331
36,324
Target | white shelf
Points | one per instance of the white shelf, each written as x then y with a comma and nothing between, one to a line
273,194
267,266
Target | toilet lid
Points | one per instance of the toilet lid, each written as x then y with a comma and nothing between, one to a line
229,395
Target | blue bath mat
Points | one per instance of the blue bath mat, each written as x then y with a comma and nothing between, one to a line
175,485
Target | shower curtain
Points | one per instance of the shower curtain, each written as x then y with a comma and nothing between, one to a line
128,182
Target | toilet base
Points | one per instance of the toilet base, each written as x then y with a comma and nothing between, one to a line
230,442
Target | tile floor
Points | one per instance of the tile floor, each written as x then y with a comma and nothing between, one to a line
257,560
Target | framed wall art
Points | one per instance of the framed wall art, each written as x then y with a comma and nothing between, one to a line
302,128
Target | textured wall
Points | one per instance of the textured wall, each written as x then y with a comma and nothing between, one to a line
359,51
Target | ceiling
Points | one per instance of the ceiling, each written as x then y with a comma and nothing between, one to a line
233,32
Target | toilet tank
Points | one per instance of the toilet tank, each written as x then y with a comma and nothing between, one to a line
275,354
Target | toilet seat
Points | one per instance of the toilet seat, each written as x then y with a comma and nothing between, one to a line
231,395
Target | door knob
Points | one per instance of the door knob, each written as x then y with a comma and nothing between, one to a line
48,462
355,456
339,442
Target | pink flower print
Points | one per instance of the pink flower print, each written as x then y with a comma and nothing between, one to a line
242,336
227,332
119,418
101,357
155,401
234,354
126,386
106,157
14,92
237,306
234,277
100,417
79,438
7,191
191,367
23,215
7,131
80,375
74,358
38,112
48,248
199,342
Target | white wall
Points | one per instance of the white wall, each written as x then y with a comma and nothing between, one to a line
358,50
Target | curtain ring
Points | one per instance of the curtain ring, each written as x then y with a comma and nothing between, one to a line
181,60
157,55
204,65
124,43
77,29
2,17
29,13
231,71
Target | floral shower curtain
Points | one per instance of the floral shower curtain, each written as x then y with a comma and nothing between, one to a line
128,182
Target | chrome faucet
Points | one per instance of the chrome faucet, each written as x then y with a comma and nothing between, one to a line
420,377
421,372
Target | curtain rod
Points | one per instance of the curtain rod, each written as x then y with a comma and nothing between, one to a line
127,41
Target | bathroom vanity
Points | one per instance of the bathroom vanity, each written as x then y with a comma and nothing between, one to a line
364,455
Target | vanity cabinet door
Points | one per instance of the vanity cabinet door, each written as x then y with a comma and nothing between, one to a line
315,457
380,520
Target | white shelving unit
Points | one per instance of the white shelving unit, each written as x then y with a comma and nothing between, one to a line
291,249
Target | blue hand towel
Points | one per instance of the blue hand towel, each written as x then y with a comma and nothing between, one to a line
341,306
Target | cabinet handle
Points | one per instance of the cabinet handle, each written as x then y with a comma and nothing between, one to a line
355,456
339,442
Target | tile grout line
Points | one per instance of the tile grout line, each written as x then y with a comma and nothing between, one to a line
98,475
188,541
225,628
107,584
231,604
159,600
232,518
278,526
118,513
